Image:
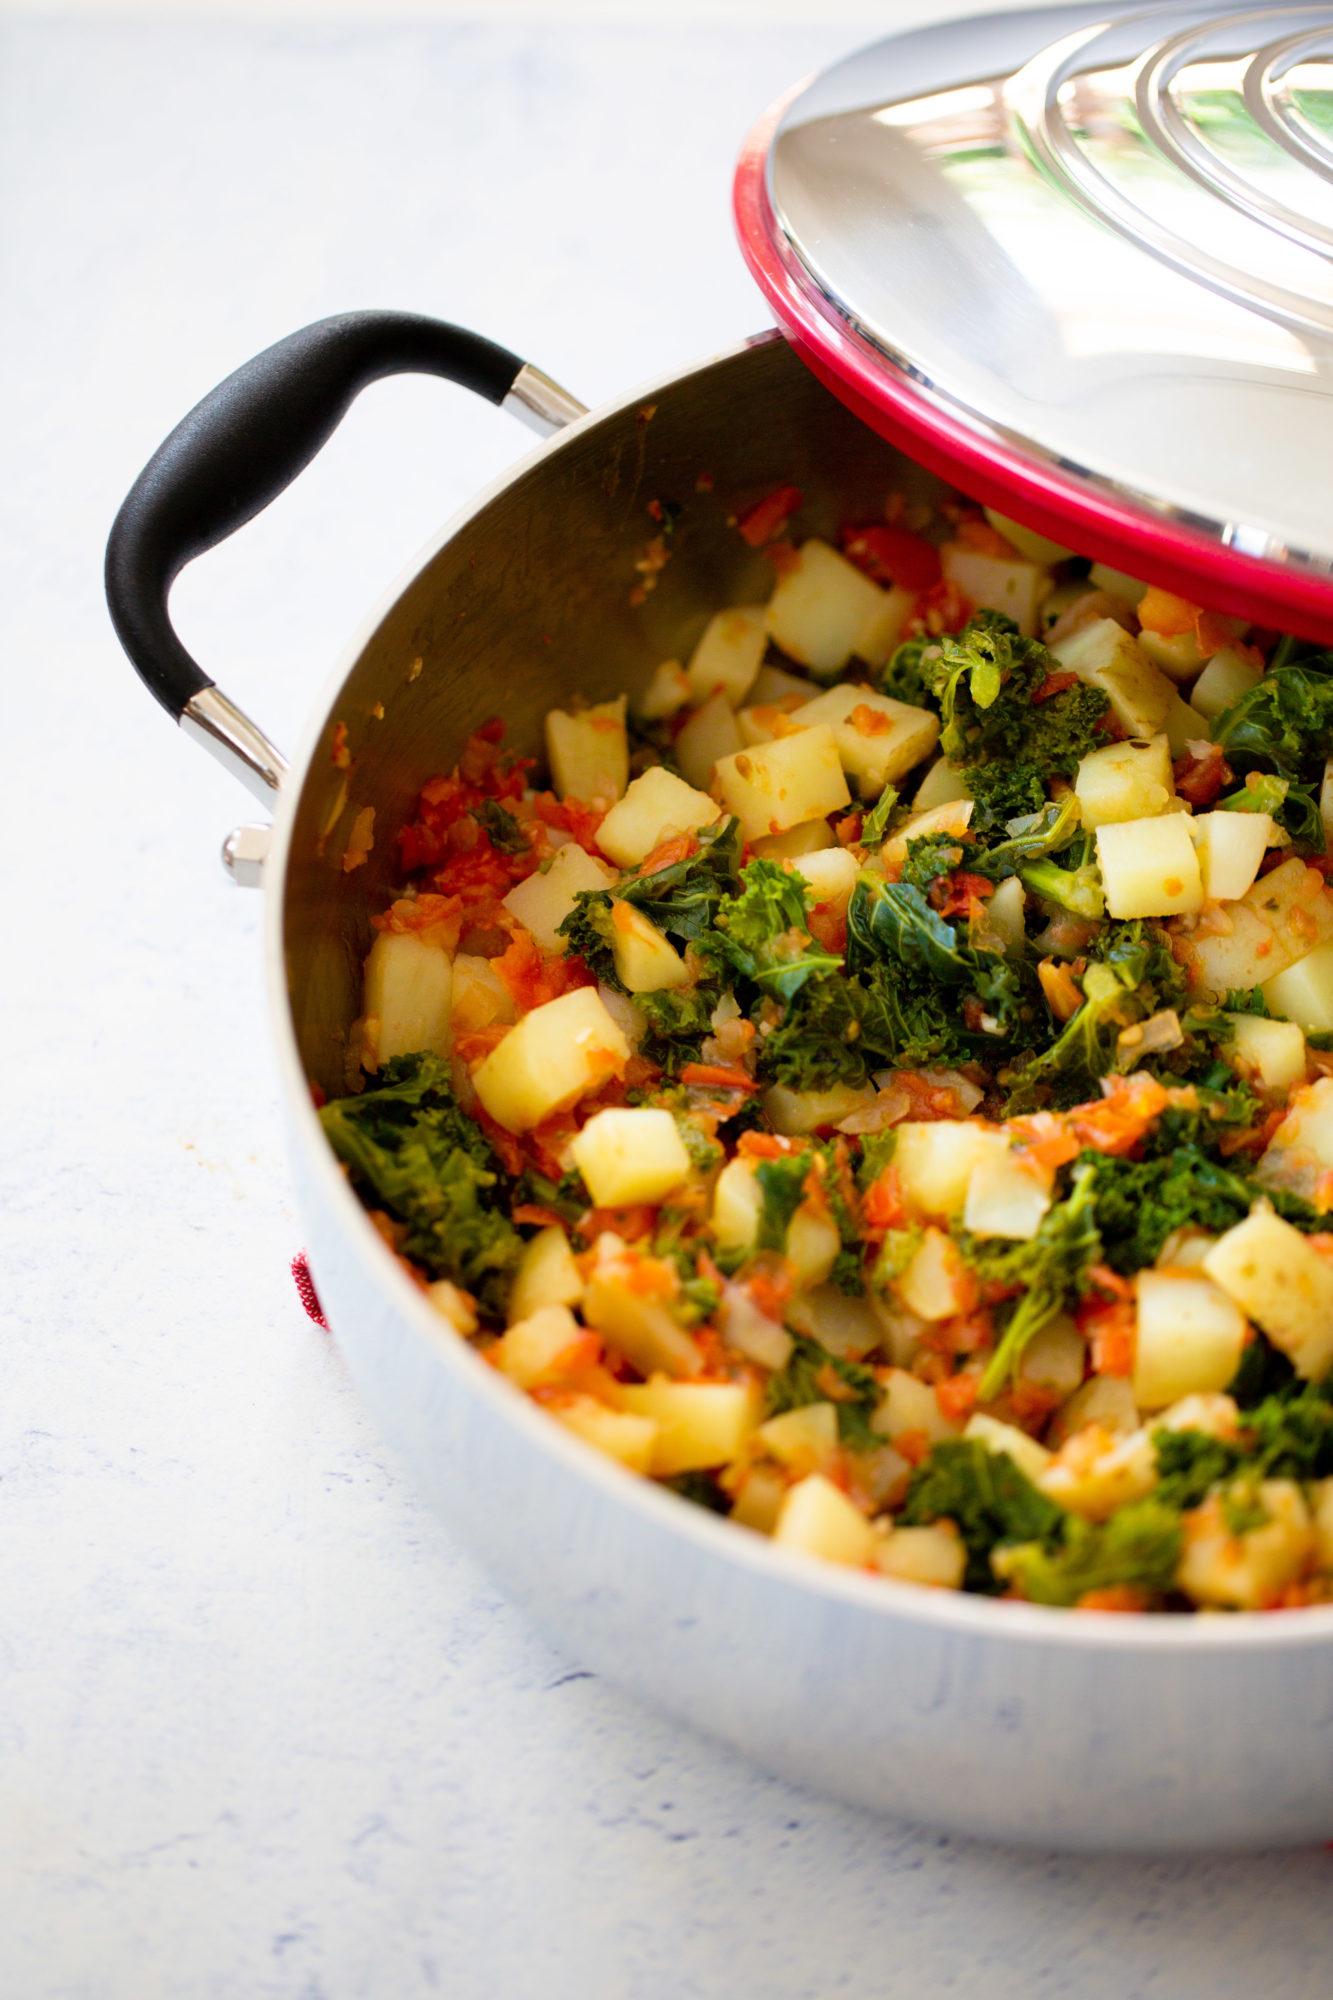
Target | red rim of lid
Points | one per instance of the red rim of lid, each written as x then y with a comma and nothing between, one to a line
1062,507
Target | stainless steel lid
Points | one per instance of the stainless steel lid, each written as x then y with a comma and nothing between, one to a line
1084,264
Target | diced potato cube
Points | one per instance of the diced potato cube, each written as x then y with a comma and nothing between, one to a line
1176,653
879,740
646,961
710,734
1274,1276
1285,915
1248,1571
727,657
1105,656
908,1404
537,1350
1299,1156
1119,584
933,1286
1227,676
480,996
1149,867
656,807
1183,725
812,1246
819,1520
845,1324
936,1159
759,1499
824,610
1095,1472
762,721
1031,1458
1189,1337
455,1306
1105,1402
798,1111
1271,1054
555,1054
998,583
641,1328
954,817
1231,846
783,783
546,1276
738,1201
775,684
830,876
1125,781
628,1439
630,1155
1037,548
933,1555
666,693
1055,1358
408,996
943,785
543,901
1304,992
699,1424
1006,1196
804,1440
812,836
588,750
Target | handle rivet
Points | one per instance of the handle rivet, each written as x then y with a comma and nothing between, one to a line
244,852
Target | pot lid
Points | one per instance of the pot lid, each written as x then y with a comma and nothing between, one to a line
1082,264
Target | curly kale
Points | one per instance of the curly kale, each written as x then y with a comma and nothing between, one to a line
682,899
414,1152
988,1499
891,928
761,931
1009,744
1140,1546
1047,1273
1132,975
782,1185
1283,723
909,673
814,1375
501,827
1289,1435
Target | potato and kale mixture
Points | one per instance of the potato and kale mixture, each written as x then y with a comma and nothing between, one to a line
882,1086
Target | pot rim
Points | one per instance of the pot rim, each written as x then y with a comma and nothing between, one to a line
880,1597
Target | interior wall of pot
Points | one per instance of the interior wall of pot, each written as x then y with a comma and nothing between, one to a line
537,600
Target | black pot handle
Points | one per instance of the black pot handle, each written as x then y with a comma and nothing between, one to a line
239,448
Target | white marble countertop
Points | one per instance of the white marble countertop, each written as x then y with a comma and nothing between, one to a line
264,1731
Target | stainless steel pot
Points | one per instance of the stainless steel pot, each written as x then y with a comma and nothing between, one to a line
999,1720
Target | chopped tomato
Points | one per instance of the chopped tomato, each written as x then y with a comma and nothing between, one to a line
770,1286
1161,611
1113,1597
1110,1334
1057,984
716,1076
913,1445
1052,685
762,1146
884,1207
434,919
956,1396
535,1215
959,894
782,555
532,976
1131,1106
892,555
940,609
828,927
1200,776
669,853
765,521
